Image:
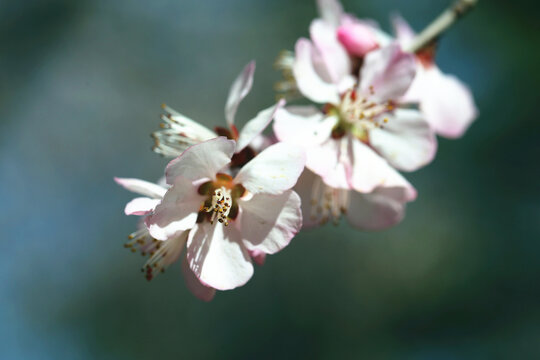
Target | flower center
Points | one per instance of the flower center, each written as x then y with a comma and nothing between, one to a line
220,206
358,115
327,203
221,202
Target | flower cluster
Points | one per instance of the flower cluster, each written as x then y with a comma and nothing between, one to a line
230,197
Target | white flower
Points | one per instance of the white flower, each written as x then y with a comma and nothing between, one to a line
229,218
180,132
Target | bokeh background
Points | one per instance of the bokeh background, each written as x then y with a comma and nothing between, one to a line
81,87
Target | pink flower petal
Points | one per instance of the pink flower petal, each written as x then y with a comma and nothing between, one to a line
333,55
274,170
201,291
407,141
217,256
201,161
381,38
256,126
142,187
447,102
141,206
370,171
382,208
305,126
308,81
177,211
389,70
239,89
332,160
357,38
269,222
404,33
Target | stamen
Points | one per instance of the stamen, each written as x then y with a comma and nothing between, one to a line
178,133
358,114
164,256
220,206
327,203
141,240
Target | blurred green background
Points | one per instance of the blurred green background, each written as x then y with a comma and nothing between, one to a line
82,82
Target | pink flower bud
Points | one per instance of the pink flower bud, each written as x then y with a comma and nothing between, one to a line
357,38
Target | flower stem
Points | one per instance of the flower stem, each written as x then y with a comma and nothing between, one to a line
440,24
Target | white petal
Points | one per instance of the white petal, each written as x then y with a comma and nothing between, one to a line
308,81
383,38
269,222
201,291
201,161
407,141
334,56
299,125
257,125
218,258
332,160
389,70
304,188
330,10
404,33
142,187
177,211
141,206
239,89
370,171
305,126
261,142
346,83
447,102
380,209
274,170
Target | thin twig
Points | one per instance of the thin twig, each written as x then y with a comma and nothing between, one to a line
441,24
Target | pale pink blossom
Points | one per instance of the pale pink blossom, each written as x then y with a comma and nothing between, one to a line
446,101
363,132
161,253
339,40
179,132
254,212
